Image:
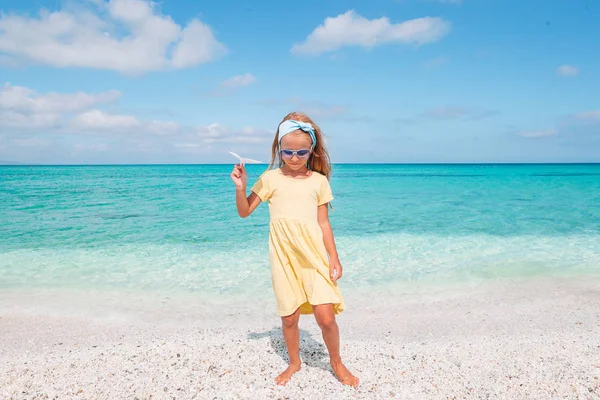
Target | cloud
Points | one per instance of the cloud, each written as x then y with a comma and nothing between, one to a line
577,127
197,46
128,36
216,133
215,139
351,29
567,70
588,116
22,107
81,147
238,81
25,100
455,2
31,142
538,134
97,119
12,119
51,127
232,84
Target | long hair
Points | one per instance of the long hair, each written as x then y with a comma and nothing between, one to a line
319,158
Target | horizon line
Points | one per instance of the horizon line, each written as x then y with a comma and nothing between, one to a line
16,164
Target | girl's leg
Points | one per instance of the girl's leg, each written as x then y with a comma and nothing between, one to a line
291,334
331,335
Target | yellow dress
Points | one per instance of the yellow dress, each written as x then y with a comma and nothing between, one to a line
299,260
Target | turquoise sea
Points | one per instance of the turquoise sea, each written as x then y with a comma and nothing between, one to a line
172,229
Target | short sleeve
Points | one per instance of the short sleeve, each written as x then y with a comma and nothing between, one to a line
262,188
325,195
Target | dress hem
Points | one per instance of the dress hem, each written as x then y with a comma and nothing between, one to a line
338,308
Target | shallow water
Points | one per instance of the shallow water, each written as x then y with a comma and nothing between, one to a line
174,229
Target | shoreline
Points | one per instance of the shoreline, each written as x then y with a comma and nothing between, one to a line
532,339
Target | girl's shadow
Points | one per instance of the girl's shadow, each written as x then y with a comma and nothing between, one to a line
312,353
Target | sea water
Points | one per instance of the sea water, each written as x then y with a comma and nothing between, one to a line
174,229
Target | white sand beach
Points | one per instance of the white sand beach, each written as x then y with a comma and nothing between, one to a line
538,339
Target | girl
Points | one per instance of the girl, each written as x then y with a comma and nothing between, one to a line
304,261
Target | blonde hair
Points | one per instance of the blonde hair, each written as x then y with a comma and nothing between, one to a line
319,158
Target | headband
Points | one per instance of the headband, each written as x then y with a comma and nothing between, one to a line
291,125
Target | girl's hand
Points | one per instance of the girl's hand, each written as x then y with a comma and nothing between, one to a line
335,270
239,176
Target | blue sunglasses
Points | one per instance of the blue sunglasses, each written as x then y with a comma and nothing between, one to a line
287,154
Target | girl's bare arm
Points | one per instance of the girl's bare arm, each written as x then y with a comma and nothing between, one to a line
335,266
246,205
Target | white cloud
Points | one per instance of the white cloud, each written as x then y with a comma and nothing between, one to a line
24,108
128,36
351,29
197,46
574,124
567,70
80,147
538,134
97,119
12,119
211,131
24,100
232,84
216,139
31,142
215,133
133,11
588,116
238,81
60,127
21,107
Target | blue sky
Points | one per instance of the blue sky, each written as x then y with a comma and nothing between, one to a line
184,81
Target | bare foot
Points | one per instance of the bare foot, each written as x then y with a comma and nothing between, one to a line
286,375
342,373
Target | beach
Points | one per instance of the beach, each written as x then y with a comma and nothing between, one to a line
176,174
528,339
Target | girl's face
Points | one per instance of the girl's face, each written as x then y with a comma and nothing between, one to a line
296,142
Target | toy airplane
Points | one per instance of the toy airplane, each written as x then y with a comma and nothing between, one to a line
244,160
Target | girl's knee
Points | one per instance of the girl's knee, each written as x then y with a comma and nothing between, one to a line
326,322
325,316
289,321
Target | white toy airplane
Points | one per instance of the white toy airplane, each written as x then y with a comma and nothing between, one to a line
245,160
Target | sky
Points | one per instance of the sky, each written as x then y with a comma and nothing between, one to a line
396,81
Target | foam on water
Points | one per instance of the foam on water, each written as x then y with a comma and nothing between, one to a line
368,262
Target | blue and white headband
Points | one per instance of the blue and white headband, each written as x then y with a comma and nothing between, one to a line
291,125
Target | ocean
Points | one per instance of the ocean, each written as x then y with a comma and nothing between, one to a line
173,230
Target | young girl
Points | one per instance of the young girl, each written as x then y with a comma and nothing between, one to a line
304,261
